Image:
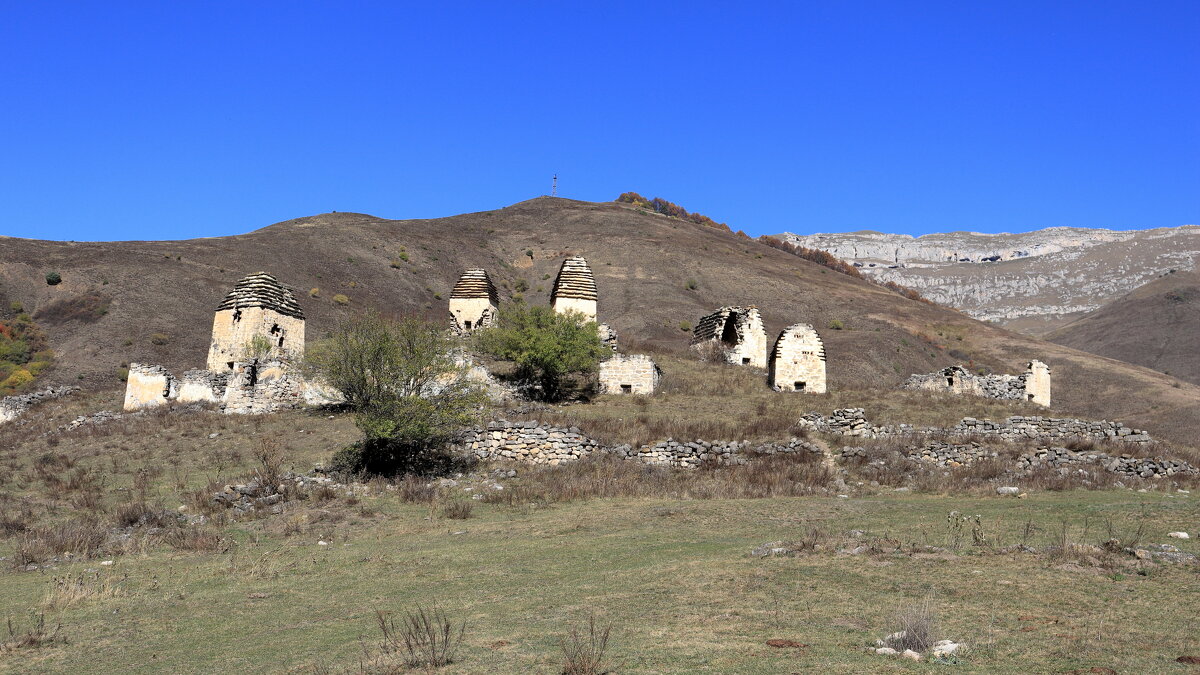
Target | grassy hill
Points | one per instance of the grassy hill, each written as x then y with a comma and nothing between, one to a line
1157,326
153,301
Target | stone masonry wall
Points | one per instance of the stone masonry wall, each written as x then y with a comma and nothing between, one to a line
12,407
148,386
1032,385
545,444
853,422
629,374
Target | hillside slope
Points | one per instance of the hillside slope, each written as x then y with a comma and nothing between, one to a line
1157,326
158,297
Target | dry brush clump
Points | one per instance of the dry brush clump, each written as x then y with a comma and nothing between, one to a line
36,635
584,648
424,638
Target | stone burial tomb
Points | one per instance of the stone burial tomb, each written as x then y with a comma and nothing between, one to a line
737,332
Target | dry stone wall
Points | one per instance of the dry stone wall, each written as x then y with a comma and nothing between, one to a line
853,422
546,444
12,407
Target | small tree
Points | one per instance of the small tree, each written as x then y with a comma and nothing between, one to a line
405,387
546,346
53,278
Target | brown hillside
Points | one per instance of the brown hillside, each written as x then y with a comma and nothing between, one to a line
1157,326
642,262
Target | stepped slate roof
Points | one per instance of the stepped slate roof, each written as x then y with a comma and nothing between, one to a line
574,280
798,332
475,284
712,326
262,290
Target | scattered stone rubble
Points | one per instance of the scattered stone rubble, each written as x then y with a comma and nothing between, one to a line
1032,385
12,407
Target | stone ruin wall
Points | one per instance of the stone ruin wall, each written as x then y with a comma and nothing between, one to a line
253,387
629,374
1033,385
798,361
12,407
737,331
546,444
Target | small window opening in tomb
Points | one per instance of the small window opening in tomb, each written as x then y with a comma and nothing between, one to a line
745,360
275,329
1028,397
467,325
237,315
229,365
253,374
627,389
950,380
799,386
281,341
729,333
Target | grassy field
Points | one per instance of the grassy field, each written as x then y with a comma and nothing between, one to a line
672,576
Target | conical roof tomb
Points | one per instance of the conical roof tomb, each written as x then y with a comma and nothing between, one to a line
259,318
575,288
473,302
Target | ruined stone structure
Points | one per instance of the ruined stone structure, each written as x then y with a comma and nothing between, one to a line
258,333
473,302
1037,383
629,374
1032,385
575,288
258,310
798,361
148,386
737,332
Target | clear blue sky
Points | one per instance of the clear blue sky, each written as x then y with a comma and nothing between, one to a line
149,120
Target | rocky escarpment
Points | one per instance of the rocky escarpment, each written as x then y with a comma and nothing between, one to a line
1033,281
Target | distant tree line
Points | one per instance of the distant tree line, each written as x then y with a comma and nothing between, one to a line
671,209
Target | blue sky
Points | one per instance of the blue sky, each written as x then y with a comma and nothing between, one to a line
161,120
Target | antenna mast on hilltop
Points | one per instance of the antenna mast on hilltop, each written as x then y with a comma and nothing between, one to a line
554,186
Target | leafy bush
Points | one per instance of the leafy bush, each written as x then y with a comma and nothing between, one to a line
341,299
53,278
685,326
406,390
314,292
836,324
547,347
160,339
23,353
691,284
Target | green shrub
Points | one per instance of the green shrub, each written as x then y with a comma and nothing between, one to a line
314,292
341,299
160,339
685,326
521,285
691,284
836,324
548,348
53,278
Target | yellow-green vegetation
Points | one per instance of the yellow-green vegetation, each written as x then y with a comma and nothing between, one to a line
24,353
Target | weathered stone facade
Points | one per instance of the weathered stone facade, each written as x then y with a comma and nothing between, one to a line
575,289
258,307
260,387
203,386
737,331
1033,385
148,386
629,374
473,302
798,361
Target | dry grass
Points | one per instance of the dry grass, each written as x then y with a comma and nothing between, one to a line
584,648
917,627
605,477
67,591
423,639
